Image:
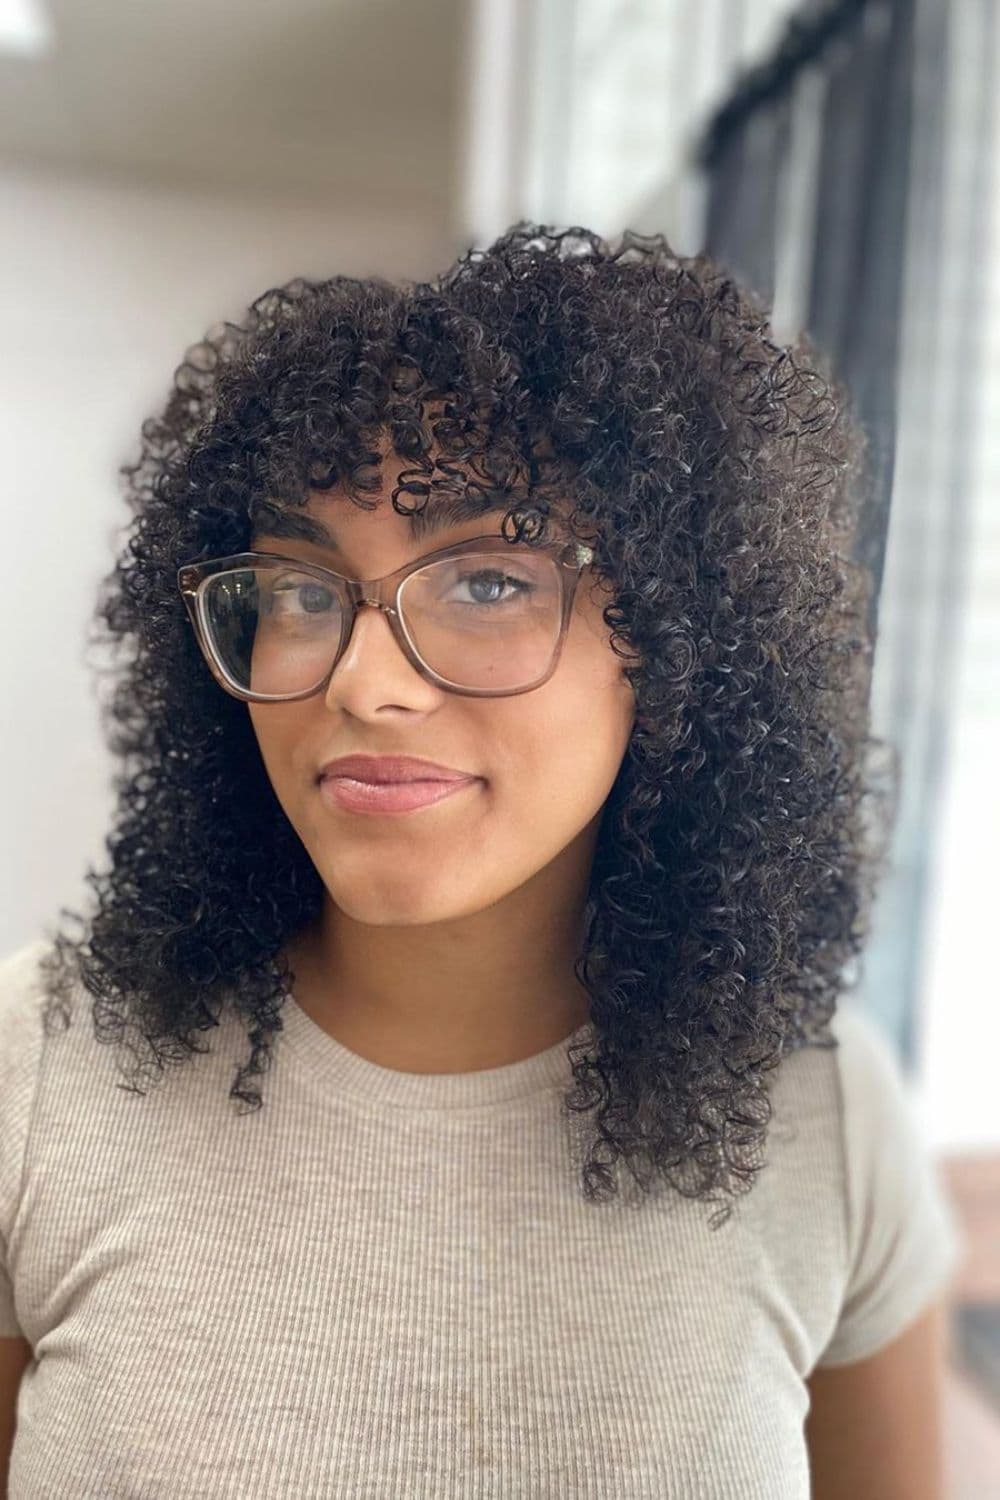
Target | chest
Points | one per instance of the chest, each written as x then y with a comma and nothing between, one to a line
321,1314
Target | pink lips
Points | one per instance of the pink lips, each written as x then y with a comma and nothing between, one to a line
351,795
388,783
379,768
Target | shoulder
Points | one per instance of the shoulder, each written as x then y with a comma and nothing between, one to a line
887,1156
851,1088
21,1021
849,1211
867,1065
21,1048
902,1238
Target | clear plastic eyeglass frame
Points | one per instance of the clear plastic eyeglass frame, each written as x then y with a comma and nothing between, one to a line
382,593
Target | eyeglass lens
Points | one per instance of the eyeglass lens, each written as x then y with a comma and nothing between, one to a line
484,620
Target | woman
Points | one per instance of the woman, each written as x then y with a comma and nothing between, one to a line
569,1176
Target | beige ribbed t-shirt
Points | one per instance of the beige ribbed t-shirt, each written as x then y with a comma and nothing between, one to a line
390,1285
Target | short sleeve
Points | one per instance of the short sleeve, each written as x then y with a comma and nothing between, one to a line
904,1243
20,1053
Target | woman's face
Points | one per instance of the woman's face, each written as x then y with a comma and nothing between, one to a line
544,760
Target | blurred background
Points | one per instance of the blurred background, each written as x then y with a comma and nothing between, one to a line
162,162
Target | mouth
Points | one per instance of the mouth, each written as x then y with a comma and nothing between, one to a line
349,794
378,769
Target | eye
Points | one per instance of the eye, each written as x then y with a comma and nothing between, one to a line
488,586
313,596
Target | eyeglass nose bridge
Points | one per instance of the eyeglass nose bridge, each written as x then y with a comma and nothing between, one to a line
377,601
357,598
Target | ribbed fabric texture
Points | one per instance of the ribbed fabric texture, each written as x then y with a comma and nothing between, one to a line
391,1285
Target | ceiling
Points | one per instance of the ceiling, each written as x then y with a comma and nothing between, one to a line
359,97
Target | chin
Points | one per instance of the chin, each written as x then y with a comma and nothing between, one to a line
403,913
403,898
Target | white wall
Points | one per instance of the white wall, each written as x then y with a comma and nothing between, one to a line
103,285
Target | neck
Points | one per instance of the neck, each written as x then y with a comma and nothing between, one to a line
473,992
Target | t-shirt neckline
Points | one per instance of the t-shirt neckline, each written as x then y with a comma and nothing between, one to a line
348,1073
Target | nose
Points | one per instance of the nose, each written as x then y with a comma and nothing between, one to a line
395,677
387,609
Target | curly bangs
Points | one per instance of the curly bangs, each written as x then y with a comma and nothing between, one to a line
718,476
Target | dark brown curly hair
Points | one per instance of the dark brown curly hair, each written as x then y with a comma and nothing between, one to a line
719,476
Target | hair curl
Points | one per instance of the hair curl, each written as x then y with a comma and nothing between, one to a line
718,475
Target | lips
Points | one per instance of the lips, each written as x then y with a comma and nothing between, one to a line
380,770
344,794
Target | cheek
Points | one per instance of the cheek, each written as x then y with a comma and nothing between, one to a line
564,754
591,687
277,735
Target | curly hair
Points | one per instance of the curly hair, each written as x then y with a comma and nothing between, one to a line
718,476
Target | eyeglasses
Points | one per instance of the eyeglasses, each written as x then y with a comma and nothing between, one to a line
486,618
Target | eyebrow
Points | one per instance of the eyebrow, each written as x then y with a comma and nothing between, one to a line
298,525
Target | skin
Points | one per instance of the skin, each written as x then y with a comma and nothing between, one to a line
875,1428
447,935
